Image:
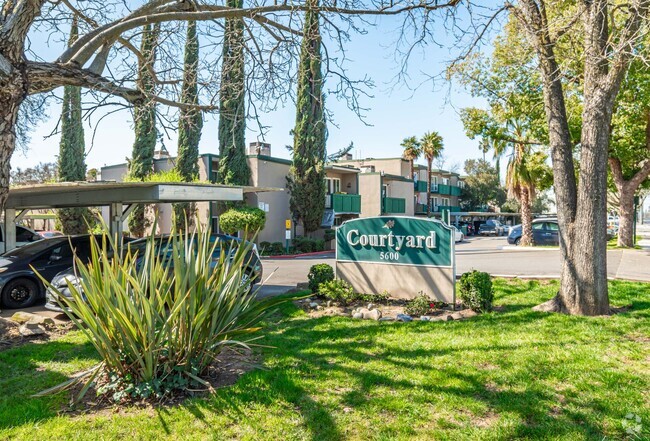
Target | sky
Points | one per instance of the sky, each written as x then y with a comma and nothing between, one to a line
394,112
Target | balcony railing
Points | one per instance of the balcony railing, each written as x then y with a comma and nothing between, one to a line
393,205
343,203
421,208
420,186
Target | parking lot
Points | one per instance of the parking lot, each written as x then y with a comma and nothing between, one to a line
489,254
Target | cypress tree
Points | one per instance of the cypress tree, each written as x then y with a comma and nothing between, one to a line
189,125
233,167
307,182
141,163
72,151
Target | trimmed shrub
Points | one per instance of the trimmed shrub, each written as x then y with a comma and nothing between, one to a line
265,248
318,274
329,235
249,219
420,305
338,291
277,249
381,298
475,291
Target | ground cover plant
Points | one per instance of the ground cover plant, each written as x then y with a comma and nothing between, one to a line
512,373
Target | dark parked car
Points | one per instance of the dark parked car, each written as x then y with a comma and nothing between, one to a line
252,272
545,232
19,284
469,226
491,227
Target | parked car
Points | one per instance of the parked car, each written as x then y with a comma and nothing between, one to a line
23,236
458,235
545,232
49,234
252,273
491,227
19,284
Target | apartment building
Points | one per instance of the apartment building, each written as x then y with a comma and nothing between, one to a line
354,188
391,186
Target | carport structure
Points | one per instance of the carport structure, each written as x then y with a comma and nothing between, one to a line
120,197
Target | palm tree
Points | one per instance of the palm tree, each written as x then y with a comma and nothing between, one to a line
431,146
412,151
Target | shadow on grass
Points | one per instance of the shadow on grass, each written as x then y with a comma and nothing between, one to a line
423,365
23,375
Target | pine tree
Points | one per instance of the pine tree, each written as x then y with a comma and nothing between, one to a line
141,163
72,151
233,167
189,125
310,133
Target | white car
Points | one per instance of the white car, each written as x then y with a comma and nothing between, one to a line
458,235
23,237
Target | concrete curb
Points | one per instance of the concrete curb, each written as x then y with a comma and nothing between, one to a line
294,256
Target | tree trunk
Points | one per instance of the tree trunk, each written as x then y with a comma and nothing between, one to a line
429,163
526,218
626,216
12,94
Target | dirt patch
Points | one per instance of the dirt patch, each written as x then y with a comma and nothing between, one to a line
639,338
10,336
227,368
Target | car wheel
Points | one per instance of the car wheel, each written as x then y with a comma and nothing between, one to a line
247,281
518,241
20,293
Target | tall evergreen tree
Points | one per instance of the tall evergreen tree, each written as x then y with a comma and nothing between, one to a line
72,151
189,125
141,163
310,133
233,168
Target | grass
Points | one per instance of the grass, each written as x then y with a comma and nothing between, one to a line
612,244
506,375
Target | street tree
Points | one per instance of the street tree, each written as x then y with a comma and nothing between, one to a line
190,125
431,146
307,173
482,187
72,152
629,151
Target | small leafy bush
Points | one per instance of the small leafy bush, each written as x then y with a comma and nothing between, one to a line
249,219
265,247
318,274
382,298
420,305
338,291
475,291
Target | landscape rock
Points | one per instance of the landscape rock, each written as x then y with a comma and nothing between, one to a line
29,330
467,313
23,317
374,314
387,319
40,320
457,316
425,318
357,315
313,305
329,303
404,318
449,318
371,306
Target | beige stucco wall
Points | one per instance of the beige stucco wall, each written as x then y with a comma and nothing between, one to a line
370,191
404,190
401,281
265,173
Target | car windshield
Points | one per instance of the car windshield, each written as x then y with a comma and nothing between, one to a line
34,248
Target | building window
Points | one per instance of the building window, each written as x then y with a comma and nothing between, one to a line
445,181
333,185
445,202
434,203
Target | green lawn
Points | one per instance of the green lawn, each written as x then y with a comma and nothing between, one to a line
512,374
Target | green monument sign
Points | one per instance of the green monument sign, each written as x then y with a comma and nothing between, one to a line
402,255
